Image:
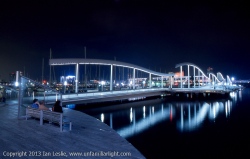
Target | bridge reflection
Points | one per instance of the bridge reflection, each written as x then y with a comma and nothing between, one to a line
188,116
153,118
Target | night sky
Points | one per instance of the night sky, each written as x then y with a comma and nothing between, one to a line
154,34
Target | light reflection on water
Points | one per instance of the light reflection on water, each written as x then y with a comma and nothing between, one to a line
187,129
137,125
188,116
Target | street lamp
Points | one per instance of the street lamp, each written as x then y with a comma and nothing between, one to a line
143,84
65,83
102,83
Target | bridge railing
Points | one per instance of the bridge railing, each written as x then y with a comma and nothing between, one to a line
100,94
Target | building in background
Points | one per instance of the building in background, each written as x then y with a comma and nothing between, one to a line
67,80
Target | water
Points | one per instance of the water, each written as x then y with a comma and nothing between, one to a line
162,128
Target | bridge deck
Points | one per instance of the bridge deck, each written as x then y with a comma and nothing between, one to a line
122,95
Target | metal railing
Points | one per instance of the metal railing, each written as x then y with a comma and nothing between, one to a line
28,90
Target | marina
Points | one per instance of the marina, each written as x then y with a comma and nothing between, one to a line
124,79
82,128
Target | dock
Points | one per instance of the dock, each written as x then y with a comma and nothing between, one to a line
89,138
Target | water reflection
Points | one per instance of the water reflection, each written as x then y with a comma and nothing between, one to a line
102,117
240,95
190,127
188,116
131,114
210,110
144,110
111,121
141,124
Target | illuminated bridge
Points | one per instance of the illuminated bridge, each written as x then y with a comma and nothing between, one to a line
199,78
194,82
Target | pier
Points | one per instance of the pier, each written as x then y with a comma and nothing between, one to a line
89,137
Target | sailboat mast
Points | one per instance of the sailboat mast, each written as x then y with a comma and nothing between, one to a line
85,71
50,69
42,69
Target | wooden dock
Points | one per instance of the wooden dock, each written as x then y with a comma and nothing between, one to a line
89,136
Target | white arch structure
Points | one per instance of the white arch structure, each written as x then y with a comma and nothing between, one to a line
229,82
194,67
111,63
225,81
214,78
219,78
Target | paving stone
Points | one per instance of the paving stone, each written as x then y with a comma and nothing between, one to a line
88,135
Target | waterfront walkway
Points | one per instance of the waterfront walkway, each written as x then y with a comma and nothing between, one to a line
89,136
95,97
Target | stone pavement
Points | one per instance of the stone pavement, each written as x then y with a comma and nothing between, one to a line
89,138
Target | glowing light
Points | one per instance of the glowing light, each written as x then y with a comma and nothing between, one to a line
214,111
131,114
226,109
67,77
144,112
65,83
16,84
229,105
171,114
102,117
195,121
71,106
232,94
143,124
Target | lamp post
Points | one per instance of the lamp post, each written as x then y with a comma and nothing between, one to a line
65,83
103,83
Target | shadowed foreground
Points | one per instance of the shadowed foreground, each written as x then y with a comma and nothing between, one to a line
89,136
